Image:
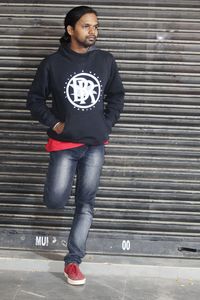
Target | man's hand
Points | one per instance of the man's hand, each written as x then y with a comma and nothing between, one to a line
59,127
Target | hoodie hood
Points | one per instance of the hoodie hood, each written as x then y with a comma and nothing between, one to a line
65,47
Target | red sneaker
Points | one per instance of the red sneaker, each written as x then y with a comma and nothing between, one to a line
73,274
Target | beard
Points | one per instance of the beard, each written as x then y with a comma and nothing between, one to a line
87,42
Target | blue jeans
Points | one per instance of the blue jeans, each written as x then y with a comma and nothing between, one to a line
86,162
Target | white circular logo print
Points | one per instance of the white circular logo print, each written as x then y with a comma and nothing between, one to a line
83,90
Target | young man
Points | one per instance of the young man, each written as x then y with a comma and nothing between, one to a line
87,99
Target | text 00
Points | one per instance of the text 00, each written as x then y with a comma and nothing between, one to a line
126,245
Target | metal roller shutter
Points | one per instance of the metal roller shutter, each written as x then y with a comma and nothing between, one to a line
148,201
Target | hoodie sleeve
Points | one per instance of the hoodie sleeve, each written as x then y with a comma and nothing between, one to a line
37,95
114,97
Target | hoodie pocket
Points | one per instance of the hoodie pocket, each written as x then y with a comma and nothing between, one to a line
86,126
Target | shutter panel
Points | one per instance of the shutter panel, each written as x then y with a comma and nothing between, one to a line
148,200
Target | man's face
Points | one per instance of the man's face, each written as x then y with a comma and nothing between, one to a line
85,32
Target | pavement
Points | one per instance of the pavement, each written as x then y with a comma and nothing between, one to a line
26,275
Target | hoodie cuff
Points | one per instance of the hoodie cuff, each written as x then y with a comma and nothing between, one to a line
54,123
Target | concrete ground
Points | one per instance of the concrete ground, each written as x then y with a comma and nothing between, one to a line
32,276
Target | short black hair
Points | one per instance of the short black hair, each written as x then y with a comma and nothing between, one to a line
72,18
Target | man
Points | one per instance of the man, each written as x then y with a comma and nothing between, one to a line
87,99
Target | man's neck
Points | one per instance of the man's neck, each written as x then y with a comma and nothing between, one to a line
78,49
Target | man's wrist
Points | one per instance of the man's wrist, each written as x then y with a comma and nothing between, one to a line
56,125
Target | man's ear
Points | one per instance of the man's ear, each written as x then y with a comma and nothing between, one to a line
69,29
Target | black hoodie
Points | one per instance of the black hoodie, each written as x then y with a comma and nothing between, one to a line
87,94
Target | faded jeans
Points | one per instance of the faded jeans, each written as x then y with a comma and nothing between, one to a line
86,162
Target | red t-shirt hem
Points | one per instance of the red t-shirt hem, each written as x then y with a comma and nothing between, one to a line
55,145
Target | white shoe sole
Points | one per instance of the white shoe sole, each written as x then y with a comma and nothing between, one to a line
75,282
